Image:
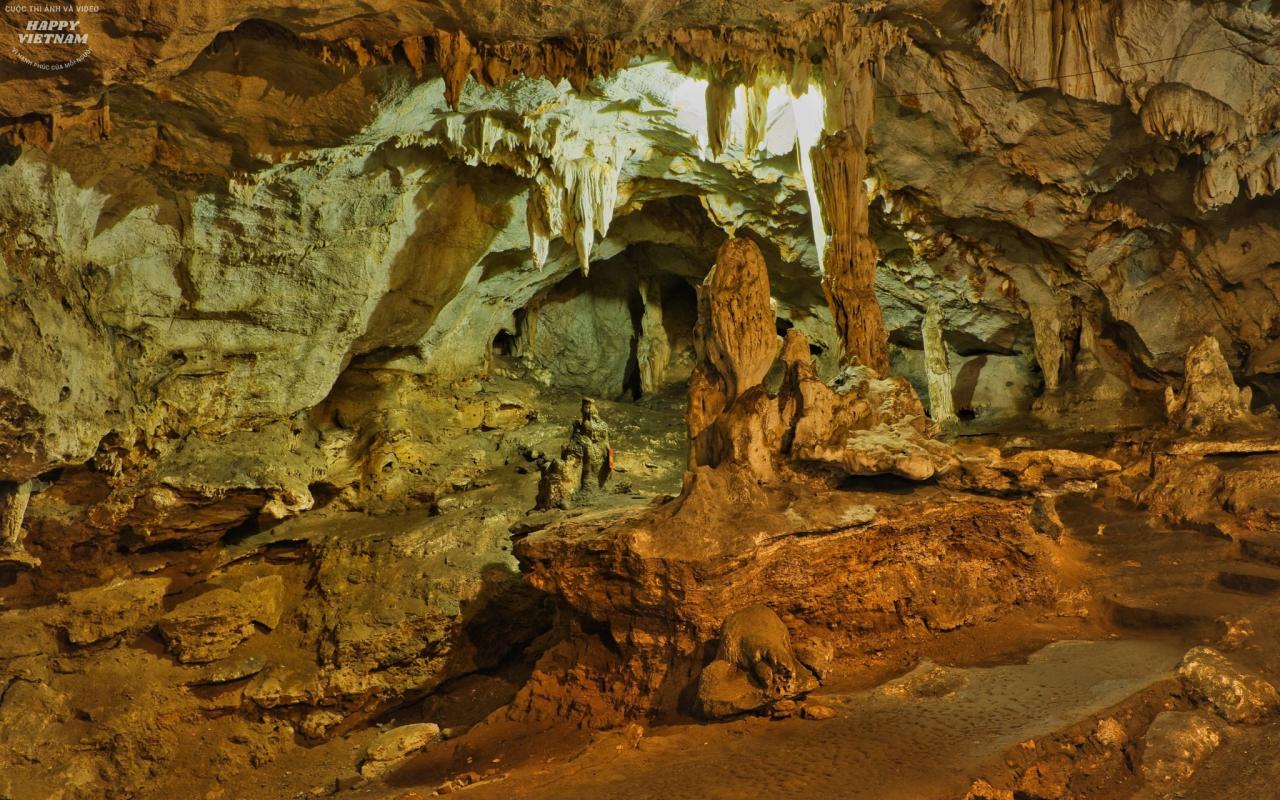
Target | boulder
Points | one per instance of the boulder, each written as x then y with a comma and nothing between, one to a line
394,746
210,626
120,607
754,666
725,691
756,641
1044,517
1235,693
1176,743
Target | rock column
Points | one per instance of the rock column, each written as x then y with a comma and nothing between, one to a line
849,264
937,369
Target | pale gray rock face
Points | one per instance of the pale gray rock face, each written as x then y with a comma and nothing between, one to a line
584,338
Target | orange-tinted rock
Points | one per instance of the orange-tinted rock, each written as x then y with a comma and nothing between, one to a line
660,578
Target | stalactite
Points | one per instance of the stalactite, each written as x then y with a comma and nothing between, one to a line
840,165
937,368
538,217
13,510
454,54
1050,353
807,112
757,112
721,98
591,192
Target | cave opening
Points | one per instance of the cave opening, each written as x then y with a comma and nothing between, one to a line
622,332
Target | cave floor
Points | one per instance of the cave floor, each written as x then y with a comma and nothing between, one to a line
926,722
919,720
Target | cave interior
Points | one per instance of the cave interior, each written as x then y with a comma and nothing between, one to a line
643,399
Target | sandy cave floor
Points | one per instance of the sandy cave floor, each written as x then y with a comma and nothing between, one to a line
922,724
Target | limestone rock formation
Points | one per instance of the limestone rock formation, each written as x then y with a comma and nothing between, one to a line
395,745
942,407
13,510
754,665
847,561
1176,743
737,331
1238,695
584,466
211,626
862,424
120,607
290,294
1209,397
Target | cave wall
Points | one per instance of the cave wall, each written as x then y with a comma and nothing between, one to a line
249,211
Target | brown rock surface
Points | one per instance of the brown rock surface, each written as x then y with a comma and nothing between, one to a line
208,627
1176,743
395,745
660,577
754,665
1237,694
124,606
1209,398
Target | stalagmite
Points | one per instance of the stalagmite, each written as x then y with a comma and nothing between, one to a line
937,369
1209,398
653,351
739,336
736,341
584,466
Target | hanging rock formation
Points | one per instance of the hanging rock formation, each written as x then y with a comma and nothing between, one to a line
13,510
849,266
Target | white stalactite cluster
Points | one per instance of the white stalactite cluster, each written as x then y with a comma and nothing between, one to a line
576,170
575,178
745,116
575,201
